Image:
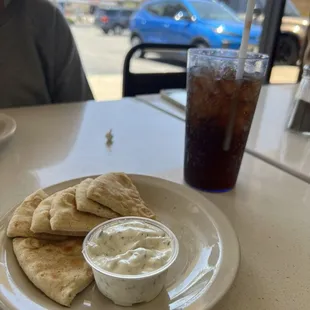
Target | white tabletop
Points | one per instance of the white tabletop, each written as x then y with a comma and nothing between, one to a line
269,139
269,208
161,104
58,142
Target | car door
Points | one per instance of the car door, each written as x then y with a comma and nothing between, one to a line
178,23
153,28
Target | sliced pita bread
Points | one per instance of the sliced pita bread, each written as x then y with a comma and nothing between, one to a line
41,219
84,204
117,192
57,268
19,225
65,217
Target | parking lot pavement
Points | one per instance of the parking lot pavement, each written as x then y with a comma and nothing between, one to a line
105,54
103,57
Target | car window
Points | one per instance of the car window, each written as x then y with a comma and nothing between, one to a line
99,12
289,10
173,9
127,13
156,9
112,13
214,11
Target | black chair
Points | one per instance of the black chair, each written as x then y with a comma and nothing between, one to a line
304,59
151,83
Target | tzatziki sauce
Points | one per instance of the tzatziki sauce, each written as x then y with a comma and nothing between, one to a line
130,248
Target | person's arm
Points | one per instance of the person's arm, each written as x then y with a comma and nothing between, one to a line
70,80
61,64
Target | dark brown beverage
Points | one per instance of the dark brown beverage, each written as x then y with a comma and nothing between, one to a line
211,105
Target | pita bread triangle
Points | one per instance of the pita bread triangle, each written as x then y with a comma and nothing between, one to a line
20,223
117,192
84,204
57,268
65,217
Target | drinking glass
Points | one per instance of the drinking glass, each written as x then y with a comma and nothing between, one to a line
219,114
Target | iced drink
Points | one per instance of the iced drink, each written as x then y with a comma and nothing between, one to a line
219,114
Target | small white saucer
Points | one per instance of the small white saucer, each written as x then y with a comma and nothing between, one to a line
7,127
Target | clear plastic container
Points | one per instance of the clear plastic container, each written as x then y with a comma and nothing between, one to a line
126,290
219,112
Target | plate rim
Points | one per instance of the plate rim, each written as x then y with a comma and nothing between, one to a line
234,242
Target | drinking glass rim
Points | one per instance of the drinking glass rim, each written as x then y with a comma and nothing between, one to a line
259,56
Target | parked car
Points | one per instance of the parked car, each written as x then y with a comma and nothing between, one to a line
203,23
293,29
114,20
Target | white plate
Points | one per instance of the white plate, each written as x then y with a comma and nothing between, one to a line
203,272
7,127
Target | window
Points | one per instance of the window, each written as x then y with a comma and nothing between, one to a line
171,10
127,13
112,13
214,11
156,9
105,39
289,10
99,12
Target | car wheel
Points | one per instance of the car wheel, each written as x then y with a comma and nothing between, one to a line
135,40
118,30
108,31
287,52
201,44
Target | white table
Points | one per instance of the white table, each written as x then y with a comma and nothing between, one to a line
58,142
159,103
269,208
269,139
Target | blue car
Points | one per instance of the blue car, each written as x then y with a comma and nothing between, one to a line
204,23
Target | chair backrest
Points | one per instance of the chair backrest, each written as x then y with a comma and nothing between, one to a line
151,83
305,52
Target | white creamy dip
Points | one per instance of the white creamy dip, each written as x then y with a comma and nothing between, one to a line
130,248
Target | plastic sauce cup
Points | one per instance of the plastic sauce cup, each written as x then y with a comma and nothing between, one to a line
126,290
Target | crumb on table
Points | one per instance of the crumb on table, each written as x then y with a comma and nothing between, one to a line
109,137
